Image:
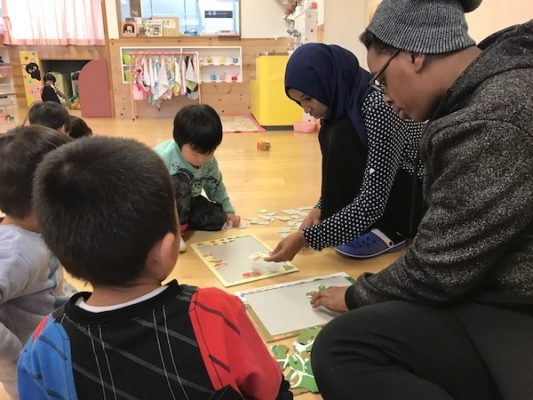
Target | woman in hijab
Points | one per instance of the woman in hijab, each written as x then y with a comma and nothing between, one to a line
371,173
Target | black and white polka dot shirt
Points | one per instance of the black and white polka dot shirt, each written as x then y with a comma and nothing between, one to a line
392,145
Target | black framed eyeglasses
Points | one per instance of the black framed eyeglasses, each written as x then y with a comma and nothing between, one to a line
374,82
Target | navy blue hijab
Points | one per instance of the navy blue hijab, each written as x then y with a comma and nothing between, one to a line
331,75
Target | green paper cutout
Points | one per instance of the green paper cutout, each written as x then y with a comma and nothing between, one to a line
308,335
280,352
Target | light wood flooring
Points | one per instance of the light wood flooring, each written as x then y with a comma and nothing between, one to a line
287,176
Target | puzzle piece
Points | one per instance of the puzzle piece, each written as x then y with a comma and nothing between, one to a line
318,289
280,352
251,274
300,374
257,255
308,335
296,366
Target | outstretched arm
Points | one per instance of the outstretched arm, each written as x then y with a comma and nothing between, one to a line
388,137
479,208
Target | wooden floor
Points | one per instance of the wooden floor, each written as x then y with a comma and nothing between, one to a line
287,176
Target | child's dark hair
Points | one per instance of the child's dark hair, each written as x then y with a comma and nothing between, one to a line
21,149
49,113
102,203
49,77
199,126
78,128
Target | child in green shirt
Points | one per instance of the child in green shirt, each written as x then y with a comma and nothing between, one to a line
190,159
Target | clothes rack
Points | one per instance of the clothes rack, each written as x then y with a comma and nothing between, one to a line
133,67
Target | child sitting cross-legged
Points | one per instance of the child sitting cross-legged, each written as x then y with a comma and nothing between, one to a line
190,159
108,212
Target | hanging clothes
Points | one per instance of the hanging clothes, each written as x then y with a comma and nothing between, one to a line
158,77
191,79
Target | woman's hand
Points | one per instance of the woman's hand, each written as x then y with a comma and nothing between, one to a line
288,247
313,218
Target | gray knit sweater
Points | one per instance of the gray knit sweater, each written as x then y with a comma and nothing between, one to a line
475,242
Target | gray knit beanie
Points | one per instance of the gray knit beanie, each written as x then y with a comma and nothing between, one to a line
423,26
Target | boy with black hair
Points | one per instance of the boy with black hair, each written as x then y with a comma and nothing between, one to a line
108,211
30,276
191,162
50,114
78,128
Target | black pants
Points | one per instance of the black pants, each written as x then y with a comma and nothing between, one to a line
199,212
399,350
404,208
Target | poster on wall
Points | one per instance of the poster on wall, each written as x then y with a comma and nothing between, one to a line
32,75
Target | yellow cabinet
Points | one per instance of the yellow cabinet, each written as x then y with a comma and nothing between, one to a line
269,103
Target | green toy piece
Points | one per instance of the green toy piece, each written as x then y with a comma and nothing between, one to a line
280,352
308,335
300,374
318,289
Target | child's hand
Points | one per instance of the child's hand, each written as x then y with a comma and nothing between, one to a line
313,218
233,220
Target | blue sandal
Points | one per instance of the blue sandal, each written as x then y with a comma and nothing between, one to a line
370,244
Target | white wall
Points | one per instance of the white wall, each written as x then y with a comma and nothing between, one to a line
344,21
112,18
320,7
494,15
262,19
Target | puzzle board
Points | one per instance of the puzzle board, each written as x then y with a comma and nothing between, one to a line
239,259
281,311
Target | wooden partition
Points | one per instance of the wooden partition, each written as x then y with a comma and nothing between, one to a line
51,53
227,98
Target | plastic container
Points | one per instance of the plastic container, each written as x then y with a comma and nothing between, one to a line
304,126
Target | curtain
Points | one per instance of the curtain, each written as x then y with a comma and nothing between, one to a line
53,22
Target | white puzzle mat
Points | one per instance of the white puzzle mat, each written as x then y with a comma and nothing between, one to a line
239,259
283,310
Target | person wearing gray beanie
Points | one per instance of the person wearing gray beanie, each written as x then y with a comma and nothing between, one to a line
424,26
452,318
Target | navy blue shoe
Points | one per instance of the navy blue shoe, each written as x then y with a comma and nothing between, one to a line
370,244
